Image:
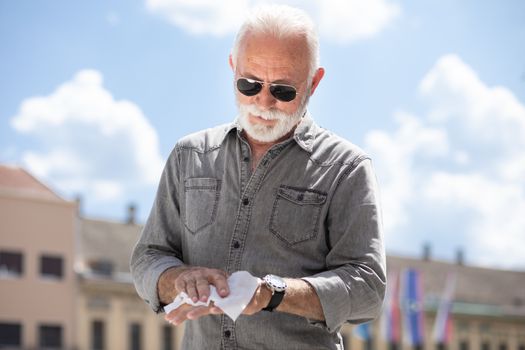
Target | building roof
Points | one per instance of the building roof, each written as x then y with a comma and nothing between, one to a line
104,245
16,180
474,285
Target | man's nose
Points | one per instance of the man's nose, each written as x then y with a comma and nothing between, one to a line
265,99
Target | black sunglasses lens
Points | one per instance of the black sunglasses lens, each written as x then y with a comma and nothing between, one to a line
248,87
283,92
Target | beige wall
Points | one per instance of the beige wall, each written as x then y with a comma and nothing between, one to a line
117,305
36,226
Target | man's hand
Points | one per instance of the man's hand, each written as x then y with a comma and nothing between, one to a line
188,312
195,282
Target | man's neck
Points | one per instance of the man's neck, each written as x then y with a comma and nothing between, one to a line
260,148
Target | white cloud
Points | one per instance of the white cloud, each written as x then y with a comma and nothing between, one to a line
360,19
217,18
89,142
455,92
351,20
394,157
497,234
465,156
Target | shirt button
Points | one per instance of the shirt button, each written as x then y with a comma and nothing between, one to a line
236,244
245,201
246,159
227,333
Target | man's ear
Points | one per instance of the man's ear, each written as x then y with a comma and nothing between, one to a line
319,74
230,61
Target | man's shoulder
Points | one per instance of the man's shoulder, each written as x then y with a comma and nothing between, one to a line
331,149
205,140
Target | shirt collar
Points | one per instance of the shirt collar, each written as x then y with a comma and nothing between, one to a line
304,134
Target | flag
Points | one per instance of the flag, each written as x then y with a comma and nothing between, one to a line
412,304
362,331
443,324
391,315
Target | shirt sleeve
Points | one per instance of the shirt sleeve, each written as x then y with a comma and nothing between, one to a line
353,287
159,246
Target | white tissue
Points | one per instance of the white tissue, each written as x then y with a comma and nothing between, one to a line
242,287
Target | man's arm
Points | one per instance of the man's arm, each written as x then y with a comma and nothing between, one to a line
353,286
159,246
300,298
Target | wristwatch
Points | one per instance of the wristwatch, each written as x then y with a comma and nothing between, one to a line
278,287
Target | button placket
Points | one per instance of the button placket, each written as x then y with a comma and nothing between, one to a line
250,184
228,333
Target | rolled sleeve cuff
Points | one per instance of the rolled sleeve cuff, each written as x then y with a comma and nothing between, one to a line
152,277
335,301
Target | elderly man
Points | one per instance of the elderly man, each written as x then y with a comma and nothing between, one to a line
272,194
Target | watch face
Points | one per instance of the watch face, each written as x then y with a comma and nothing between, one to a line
275,283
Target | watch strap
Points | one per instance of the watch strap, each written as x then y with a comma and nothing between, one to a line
276,299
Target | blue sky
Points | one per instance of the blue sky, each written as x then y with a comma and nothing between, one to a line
94,95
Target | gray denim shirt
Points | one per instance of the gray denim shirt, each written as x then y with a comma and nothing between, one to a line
309,210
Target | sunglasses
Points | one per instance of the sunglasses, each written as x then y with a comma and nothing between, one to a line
251,87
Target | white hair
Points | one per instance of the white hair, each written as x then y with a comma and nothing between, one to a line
280,21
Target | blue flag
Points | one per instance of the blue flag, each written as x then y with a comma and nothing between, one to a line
362,331
412,304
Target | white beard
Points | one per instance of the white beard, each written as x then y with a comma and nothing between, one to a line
266,133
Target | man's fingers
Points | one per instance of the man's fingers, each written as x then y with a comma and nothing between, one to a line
191,290
178,315
214,310
220,282
188,312
197,312
195,282
203,289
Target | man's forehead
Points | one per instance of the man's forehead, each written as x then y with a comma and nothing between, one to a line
266,54
270,70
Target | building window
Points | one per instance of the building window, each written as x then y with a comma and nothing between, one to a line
11,264
10,334
463,345
485,345
167,337
102,267
502,346
441,346
135,336
50,336
97,335
51,266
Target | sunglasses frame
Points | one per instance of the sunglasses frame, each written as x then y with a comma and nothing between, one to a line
262,83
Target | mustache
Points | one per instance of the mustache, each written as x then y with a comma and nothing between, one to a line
265,114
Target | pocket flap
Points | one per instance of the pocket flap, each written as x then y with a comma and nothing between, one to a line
301,195
201,183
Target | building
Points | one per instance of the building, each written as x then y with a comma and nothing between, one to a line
37,281
65,284
487,312
110,315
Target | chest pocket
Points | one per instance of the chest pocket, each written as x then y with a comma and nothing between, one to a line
295,214
201,199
